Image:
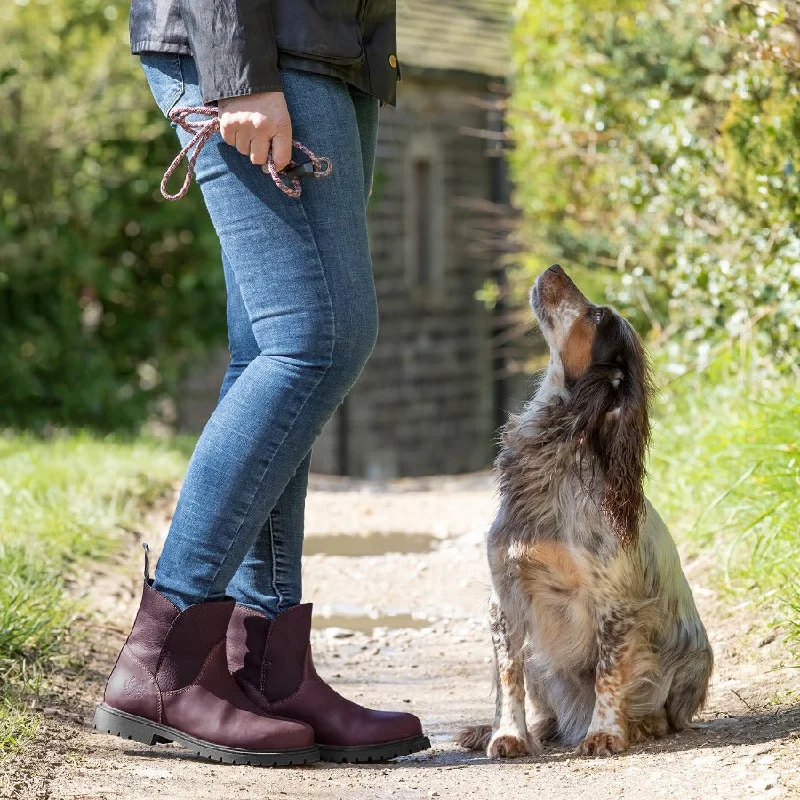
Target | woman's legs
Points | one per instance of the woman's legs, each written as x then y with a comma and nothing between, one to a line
269,578
304,274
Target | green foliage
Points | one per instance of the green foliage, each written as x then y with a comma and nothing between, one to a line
657,147
62,502
729,482
106,291
661,138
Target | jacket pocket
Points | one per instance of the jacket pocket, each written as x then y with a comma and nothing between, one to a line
323,30
165,77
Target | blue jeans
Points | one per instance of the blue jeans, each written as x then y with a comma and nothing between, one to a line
302,321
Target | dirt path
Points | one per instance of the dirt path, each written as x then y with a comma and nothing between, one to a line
399,582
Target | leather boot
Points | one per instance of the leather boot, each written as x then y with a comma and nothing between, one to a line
171,684
271,661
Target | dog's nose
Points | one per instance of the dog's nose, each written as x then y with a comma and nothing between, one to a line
555,268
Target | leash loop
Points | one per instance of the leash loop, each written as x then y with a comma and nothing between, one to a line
204,130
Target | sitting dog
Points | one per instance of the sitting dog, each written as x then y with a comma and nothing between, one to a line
590,611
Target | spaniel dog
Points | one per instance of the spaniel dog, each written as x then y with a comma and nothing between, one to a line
590,612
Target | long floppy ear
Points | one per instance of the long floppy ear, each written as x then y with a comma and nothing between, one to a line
623,456
611,418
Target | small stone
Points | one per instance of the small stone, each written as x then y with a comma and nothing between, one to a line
339,633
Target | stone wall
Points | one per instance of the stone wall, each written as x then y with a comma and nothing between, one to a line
424,402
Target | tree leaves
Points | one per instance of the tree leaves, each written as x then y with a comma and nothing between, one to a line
91,258
660,138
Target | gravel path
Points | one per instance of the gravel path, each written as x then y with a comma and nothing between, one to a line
398,577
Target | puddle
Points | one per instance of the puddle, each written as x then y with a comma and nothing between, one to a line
371,544
366,622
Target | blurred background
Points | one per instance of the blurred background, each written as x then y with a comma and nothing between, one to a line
651,147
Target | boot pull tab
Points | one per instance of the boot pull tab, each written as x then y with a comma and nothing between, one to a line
146,548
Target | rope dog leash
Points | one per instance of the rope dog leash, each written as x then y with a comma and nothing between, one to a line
203,131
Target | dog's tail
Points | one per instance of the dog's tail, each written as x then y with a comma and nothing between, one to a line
475,737
687,695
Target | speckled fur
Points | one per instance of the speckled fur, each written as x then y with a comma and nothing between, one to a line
591,615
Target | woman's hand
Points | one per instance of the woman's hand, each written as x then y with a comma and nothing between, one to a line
253,123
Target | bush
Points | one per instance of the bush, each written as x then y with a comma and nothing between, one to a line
105,291
661,138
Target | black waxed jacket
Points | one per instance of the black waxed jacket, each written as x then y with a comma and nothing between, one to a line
241,45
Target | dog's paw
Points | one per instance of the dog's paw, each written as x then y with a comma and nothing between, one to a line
601,743
506,745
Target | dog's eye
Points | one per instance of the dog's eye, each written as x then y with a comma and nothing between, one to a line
597,313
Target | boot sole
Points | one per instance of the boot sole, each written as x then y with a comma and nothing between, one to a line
374,752
128,726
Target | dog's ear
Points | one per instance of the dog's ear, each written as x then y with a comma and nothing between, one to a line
610,404
623,455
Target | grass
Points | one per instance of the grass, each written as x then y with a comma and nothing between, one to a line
62,502
725,472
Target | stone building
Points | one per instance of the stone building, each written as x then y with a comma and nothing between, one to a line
428,401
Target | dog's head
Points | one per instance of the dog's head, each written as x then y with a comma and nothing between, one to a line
599,367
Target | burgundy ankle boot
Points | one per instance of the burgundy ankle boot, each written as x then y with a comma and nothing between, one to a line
271,661
171,684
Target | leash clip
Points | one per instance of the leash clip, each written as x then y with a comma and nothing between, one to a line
308,168
311,167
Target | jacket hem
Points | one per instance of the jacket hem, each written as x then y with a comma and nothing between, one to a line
229,94
153,46
352,75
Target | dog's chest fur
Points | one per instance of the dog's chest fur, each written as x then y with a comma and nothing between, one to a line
552,546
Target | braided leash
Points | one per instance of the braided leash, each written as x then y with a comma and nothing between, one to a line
203,131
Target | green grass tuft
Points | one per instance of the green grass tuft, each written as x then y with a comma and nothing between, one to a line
725,472
62,502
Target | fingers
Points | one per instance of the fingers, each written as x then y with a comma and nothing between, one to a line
253,138
255,123
259,150
227,127
282,149
255,142
242,141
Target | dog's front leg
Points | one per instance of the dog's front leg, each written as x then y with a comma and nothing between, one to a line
509,733
617,639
